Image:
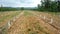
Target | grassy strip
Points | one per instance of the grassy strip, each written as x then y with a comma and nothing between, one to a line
26,13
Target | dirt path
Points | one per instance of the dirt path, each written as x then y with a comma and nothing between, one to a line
29,23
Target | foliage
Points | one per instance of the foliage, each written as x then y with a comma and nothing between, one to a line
48,5
7,9
22,8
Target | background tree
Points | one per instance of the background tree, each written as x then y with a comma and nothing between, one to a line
49,5
22,8
45,4
58,5
39,7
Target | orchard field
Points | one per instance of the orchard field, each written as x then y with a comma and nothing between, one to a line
7,15
29,22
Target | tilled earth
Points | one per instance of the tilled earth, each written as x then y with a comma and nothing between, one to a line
29,23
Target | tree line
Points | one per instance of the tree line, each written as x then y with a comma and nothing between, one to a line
49,5
7,9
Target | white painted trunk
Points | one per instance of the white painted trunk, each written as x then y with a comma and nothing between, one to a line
9,24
